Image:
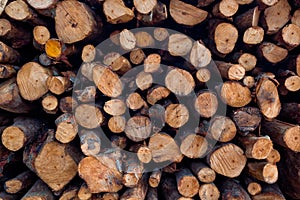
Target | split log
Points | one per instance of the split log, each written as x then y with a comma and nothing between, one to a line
253,35
263,171
114,107
138,128
155,178
116,12
8,54
247,19
50,104
200,56
257,147
272,53
99,176
230,154
206,104
164,148
31,86
117,124
225,8
143,80
17,36
234,94
176,115
53,162
137,56
276,16
11,100
187,183
180,82
209,191
232,189
194,146
267,97
222,129
107,81
22,132
20,11
58,84
247,119
230,71
186,14
66,128
127,40
39,191
138,192
45,7
75,21
179,44
20,183
282,133
203,172
88,116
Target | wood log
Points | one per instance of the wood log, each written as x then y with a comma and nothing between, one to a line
144,154
134,101
289,36
22,132
53,162
155,178
58,84
110,196
99,176
66,104
138,192
144,7
234,94
225,37
276,16
170,191
84,192
114,107
263,171
179,44
292,83
90,142
230,71
117,124
232,189
290,112
257,147
138,128
272,53
50,104
186,14
253,35
156,94
247,119
121,65
107,81
137,56
282,133
295,18
66,128
41,35
209,191
152,194
246,60
204,173
187,183
45,7
203,75
206,104
249,81
39,191
253,186
230,154
11,100
247,19
33,87
273,157
194,146
70,193
176,115
164,148
152,63
15,35
143,80
270,192
143,39
127,40
8,54
160,34
88,116
133,172
222,129
20,11
180,82
200,56
225,8
267,97
75,21
20,183
86,95
156,16
7,71
116,12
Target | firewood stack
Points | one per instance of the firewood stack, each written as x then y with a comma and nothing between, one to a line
63,99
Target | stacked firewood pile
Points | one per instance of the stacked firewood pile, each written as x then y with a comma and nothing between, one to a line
70,111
